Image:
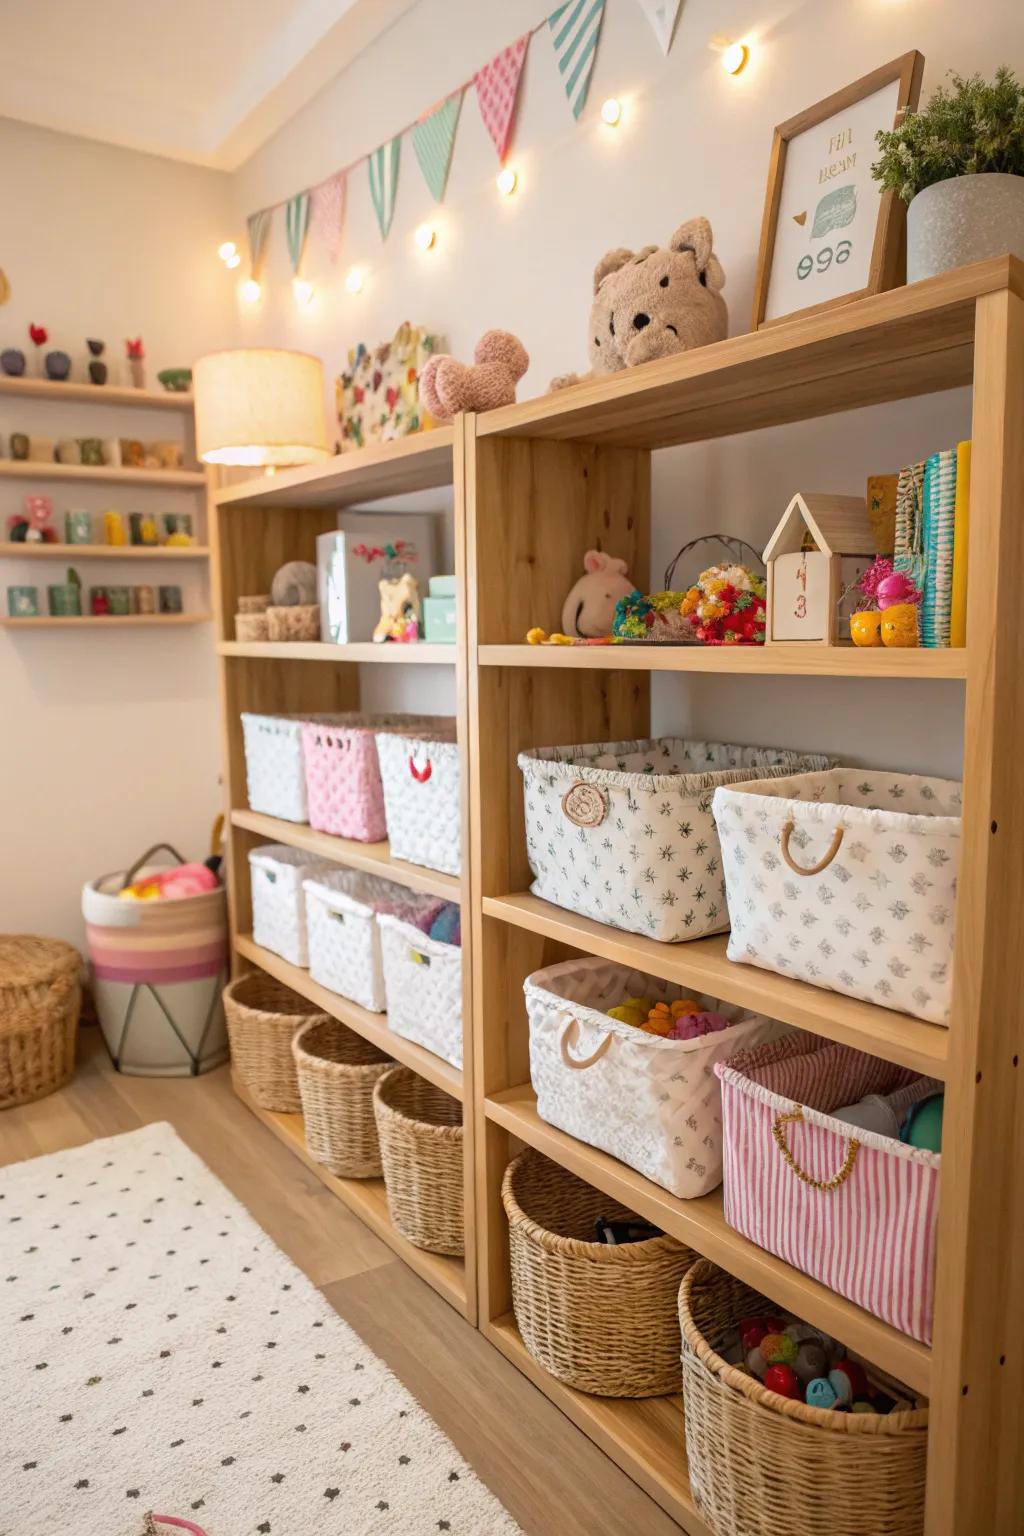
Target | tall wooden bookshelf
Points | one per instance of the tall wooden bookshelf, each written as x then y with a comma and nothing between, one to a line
534,485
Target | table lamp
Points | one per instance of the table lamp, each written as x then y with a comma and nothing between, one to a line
260,406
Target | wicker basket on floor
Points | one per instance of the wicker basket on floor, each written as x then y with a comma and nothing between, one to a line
420,1129
600,1318
763,1465
337,1071
40,1000
263,1016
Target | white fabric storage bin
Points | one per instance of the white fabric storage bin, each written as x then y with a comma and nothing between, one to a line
623,832
420,775
275,776
654,1104
344,940
847,880
278,900
423,986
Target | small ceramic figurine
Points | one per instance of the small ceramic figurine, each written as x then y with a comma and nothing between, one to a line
57,365
136,355
589,609
890,614
12,361
40,336
33,526
97,369
143,528
401,612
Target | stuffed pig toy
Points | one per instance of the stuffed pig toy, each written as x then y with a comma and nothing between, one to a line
654,302
588,611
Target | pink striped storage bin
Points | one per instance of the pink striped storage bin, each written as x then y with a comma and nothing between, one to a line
856,1212
343,788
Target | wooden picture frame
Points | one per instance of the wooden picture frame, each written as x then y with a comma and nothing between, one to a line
883,267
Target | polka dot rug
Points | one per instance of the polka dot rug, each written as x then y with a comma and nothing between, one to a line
161,1353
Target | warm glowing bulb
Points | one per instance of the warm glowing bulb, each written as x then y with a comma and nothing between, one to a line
302,290
426,237
250,291
233,260
611,112
354,281
507,181
227,250
735,57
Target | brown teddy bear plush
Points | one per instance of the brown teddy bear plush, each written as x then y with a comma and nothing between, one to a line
654,302
448,386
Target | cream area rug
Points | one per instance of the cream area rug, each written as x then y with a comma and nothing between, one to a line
160,1353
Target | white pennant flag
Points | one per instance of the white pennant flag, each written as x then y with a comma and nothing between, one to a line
662,15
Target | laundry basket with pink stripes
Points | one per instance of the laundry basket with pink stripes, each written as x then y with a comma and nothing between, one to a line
855,1209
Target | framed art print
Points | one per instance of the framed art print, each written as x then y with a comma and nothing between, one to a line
829,233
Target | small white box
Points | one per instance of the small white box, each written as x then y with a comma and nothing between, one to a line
349,582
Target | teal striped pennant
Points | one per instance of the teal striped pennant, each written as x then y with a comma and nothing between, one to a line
433,139
575,29
383,164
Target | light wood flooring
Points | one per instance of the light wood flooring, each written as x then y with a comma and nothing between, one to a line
549,1475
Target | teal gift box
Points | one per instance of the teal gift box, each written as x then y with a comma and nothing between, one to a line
439,619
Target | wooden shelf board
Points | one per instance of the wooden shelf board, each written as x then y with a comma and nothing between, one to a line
95,394
644,1436
374,858
367,1199
701,965
757,660
910,341
167,479
420,462
11,551
105,621
372,1026
422,653
702,1226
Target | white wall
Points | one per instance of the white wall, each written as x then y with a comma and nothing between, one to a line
108,741
692,141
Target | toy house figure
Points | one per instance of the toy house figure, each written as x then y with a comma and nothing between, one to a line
821,545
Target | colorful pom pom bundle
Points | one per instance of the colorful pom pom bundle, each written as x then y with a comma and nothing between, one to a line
727,606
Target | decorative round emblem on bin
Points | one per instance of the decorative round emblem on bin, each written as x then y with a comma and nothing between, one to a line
584,804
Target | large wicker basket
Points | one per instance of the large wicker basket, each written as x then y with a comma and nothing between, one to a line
420,1129
263,1016
337,1071
600,1318
40,999
763,1465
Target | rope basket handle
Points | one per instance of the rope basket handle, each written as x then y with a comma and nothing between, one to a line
825,1186
145,858
823,862
421,775
579,1063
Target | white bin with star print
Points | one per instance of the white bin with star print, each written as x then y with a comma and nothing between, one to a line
847,880
622,831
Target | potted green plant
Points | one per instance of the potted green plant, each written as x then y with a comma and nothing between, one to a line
959,164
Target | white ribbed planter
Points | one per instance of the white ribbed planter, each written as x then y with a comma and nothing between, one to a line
964,219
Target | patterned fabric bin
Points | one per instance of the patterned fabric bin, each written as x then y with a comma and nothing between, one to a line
623,831
847,880
655,1104
274,774
423,986
278,900
420,775
343,787
858,1212
343,937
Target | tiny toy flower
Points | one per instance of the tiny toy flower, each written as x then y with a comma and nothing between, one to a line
134,348
39,334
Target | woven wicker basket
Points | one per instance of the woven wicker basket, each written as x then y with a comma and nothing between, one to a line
337,1070
763,1465
601,1319
301,622
40,999
251,626
420,1129
258,603
263,1016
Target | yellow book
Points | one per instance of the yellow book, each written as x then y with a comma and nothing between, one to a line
961,524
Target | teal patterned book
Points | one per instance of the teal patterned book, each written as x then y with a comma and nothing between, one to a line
939,520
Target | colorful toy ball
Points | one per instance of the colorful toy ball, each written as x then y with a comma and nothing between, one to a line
778,1349
820,1393
841,1386
757,1365
811,1360
752,1331
781,1379
855,1374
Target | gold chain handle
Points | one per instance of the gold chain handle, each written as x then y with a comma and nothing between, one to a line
826,1186
823,863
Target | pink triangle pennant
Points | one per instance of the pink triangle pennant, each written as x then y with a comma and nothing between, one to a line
328,212
497,87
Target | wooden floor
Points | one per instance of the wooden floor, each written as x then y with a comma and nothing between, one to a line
549,1476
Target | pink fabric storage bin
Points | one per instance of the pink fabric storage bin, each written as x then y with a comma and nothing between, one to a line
870,1232
343,786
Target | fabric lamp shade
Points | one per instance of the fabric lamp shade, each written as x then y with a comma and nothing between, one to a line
260,406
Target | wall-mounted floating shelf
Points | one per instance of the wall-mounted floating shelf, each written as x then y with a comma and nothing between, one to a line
69,390
167,479
41,551
106,620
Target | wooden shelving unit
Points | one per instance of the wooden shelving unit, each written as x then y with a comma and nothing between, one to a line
421,654
549,478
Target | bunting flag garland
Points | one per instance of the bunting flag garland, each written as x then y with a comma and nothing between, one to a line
327,212
296,224
259,233
383,165
575,29
497,87
662,15
433,138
